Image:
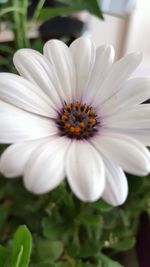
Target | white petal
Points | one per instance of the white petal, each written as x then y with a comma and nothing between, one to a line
104,59
116,188
120,71
125,151
143,135
17,125
133,92
137,117
60,57
14,158
36,68
22,93
45,168
83,51
85,171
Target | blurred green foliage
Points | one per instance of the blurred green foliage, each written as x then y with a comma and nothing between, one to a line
14,16
67,232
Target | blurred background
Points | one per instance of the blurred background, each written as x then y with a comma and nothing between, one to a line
126,24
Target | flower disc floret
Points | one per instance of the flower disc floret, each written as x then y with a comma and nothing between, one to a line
77,120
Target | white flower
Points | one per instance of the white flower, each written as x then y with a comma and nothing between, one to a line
74,113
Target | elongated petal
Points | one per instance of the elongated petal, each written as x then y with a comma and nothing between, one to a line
83,51
120,71
125,151
17,125
116,189
133,92
36,68
45,168
103,62
143,135
15,157
21,93
60,57
137,117
85,171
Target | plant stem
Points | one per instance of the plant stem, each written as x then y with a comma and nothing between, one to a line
17,31
37,12
24,23
20,21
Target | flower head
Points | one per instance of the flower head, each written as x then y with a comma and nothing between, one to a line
75,113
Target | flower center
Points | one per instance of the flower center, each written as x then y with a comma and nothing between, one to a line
77,120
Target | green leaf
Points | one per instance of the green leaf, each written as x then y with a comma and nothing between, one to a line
107,262
7,10
53,230
72,6
125,244
102,206
47,13
21,248
89,5
4,253
122,232
91,219
49,250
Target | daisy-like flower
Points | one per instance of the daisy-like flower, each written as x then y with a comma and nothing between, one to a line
74,113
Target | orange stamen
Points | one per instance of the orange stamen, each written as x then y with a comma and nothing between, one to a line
67,125
77,129
72,129
81,124
92,120
64,117
91,113
68,107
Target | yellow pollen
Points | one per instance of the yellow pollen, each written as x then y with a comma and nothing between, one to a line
64,117
91,112
68,107
81,124
77,129
67,125
92,120
72,129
